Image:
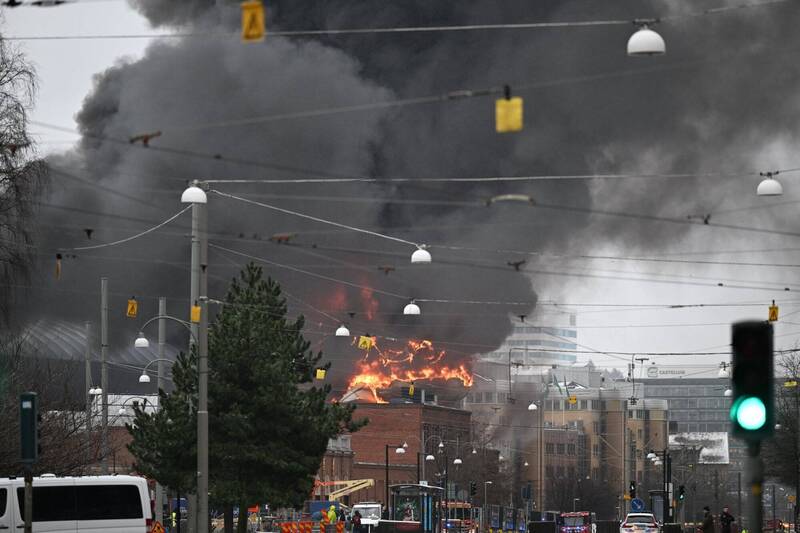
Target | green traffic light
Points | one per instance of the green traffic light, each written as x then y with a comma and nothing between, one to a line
750,412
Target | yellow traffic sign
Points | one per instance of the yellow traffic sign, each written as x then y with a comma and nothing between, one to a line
773,312
572,400
411,389
253,27
508,115
791,498
365,343
321,372
133,308
157,527
626,496
790,384
194,314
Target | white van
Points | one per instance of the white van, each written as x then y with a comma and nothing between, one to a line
78,504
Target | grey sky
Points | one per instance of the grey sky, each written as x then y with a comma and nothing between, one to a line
66,70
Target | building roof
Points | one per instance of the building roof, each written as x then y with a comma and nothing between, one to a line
713,447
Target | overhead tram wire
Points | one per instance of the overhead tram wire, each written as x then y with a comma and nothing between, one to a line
412,29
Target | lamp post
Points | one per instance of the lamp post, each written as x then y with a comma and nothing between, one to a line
196,196
574,502
484,512
399,449
664,459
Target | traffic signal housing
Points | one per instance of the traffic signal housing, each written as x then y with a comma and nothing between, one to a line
473,488
29,427
752,410
681,492
632,490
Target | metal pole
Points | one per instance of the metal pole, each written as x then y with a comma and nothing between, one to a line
88,384
669,487
386,482
28,518
162,339
540,496
754,473
194,295
774,526
202,364
104,372
739,495
665,496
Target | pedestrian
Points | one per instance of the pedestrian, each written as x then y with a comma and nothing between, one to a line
357,522
332,515
708,521
725,520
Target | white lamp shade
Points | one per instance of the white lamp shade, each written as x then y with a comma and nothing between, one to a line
723,372
405,444
532,406
769,187
342,331
646,42
400,450
121,411
144,378
526,463
411,309
430,457
95,391
778,426
141,341
457,461
728,393
441,445
421,255
651,455
500,458
474,451
194,195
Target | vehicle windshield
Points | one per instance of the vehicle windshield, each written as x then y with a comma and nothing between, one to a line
640,519
574,521
373,512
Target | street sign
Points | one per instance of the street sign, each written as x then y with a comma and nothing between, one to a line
773,312
133,308
572,400
637,505
252,21
157,527
791,498
626,496
365,343
508,114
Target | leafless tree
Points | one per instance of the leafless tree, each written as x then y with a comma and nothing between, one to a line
782,453
22,173
67,448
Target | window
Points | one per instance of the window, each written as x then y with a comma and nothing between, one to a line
596,427
640,433
595,405
550,448
105,502
596,450
561,448
584,405
570,449
50,504
3,501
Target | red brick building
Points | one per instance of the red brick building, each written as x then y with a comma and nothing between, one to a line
420,426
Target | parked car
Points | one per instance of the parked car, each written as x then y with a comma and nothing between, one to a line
639,523
77,504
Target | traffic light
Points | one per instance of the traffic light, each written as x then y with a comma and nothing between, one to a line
751,412
473,488
681,492
29,427
632,490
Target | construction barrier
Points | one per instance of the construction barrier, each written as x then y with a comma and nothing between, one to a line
298,527
339,527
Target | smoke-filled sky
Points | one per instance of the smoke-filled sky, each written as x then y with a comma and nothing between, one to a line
721,105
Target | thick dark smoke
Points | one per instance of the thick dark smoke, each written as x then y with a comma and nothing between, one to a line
726,89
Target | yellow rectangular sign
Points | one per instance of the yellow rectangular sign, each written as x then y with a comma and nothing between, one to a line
194,314
365,343
321,373
253,26
133,308
773,313
508,114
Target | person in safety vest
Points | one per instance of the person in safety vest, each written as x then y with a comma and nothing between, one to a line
332,515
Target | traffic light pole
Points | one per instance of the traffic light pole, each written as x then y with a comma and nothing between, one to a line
754,477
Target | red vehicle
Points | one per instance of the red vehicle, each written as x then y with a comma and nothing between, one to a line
460,517
578,522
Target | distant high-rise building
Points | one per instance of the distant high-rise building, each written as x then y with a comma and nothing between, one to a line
548,339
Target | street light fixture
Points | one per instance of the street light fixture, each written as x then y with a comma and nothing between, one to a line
526,463
141,341
421,255
457,461
723,370
95,391
430,457
342,331
398,449
646,42
144,378
769,186
651,455
728,393
532,406
411,309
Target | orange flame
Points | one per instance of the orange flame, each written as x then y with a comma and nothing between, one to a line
419,360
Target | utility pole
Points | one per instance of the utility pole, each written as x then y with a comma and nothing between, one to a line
87,356
162,339
104,372
739,479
